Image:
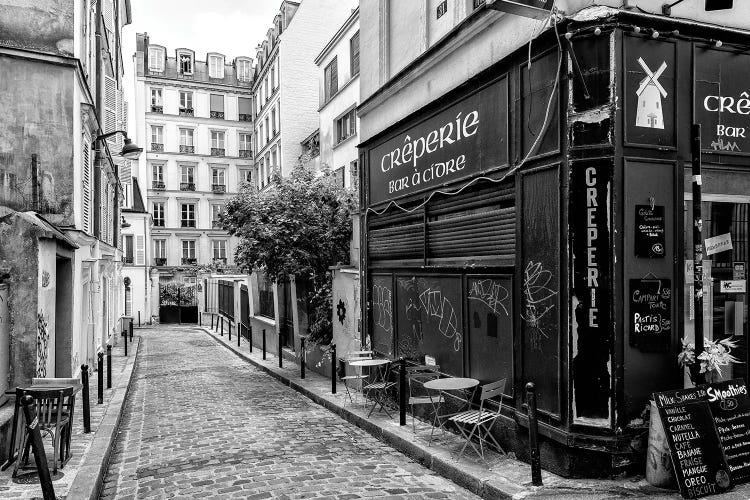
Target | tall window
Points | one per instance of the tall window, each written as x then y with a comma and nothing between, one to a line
245,108
187,179
215,211
246,176
186,63
274,158
273,121
158,213
265,88
157,138
219,250
215,66
217,177
331,76
186,103
217,106
268,131
155,59
274,84
346,126
354,54
156,100
260,129
262,172
160,249
186,140
244,70
217,143
157,176
245,146
188,215
128,244
188,251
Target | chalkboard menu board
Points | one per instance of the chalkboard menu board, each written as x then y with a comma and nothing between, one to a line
651,314
730,406
697,454
649,231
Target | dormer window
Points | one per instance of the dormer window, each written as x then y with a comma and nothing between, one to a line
156,59
215,66
244,70
186,63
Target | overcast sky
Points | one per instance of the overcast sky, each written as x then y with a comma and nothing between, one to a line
230,27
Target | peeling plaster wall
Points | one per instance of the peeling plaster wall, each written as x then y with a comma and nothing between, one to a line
43,25
346,311
37,103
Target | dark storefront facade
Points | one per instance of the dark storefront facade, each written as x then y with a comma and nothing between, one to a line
572,269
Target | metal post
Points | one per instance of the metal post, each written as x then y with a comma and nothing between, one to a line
40,457
334,363
109,367
230,329
86,402
179,306
536,464
402,392
250,337
222,325
139,319
100,378
212,322
200,319
125,334
264,344
695,143
239,333
130,329
302,357
281,361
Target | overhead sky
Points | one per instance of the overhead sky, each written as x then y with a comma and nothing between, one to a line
230,27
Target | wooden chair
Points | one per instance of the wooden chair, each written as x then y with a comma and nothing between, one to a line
481,420
416,376
53,410
358,375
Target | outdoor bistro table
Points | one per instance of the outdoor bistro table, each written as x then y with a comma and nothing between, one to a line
448,384
378,383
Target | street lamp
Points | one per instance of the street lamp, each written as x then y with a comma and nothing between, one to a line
129,151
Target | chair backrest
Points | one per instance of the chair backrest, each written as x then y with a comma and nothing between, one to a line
49,403
492,390
356,355
417,375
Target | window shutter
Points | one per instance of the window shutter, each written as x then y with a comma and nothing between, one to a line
354,51
140,250
86,212
245,105
110,111
334,76
217,103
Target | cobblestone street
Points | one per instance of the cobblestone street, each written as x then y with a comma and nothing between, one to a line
201,423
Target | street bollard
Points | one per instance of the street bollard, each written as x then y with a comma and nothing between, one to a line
302,358
125,334
250,337
212,322
86,403
100,378
402,392
334,362
222,325
109,367
130,328
281,358
536,464
264,344
139,319
230,329
200,319
239,333
40,457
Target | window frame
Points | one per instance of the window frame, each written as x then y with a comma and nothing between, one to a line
185,210
180,62
160,92
191,136
331,79
160,129
190,170
160,244
218,174
188,97
222,248
354,68
220,133
159,208
216,66
157,172
346,125
191,249
244,70
247,143
159,51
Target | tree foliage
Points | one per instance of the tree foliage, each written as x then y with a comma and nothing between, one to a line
298,227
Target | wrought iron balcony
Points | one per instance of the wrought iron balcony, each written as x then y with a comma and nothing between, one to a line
217,114
157,185
216,224
160,261
189,260
187,186
246,117
127,259
157,146
186,111
217,151
187,149
157,109
220,260
187,223
218,188
246,153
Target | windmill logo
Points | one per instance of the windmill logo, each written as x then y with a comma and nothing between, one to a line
650,93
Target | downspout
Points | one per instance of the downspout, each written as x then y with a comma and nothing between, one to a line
99,113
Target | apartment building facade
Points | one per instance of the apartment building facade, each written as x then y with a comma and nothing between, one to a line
196,121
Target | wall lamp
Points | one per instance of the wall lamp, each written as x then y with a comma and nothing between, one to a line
129,150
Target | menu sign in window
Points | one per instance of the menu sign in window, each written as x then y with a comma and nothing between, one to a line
649,231
697,454
730,406
651,314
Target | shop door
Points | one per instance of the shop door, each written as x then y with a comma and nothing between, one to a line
724,308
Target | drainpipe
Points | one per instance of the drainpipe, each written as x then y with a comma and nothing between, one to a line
99,103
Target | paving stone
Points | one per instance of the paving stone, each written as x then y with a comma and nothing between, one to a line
201,423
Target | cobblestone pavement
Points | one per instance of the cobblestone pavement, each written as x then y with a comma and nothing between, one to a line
201,423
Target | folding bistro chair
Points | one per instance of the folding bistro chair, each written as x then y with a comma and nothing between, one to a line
416,376
480,421
357,376
377,387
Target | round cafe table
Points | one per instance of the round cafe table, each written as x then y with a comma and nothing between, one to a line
448,384
369,362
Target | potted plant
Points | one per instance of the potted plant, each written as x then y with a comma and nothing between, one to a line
716,353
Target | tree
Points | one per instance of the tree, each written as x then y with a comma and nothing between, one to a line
298,226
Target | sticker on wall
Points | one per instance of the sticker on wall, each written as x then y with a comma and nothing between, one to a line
650,93
718,244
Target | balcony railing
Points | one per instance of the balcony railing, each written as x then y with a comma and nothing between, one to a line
220,261
216,224
217,151
246,153
160,261
157,185
186,111
478,3
187,149
157,109
187,223
187,186
245,117
157,146
217,114
128,260
189,260
218,188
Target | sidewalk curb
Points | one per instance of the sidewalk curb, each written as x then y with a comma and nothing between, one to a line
88,482
445,466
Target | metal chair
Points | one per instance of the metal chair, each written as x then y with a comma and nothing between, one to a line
416,376
358,376
481,420
377,387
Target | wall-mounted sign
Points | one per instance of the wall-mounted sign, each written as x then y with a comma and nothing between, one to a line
738,270
732,286
730,406
649,231
460,141
651,314
722,99
536,9
717,244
